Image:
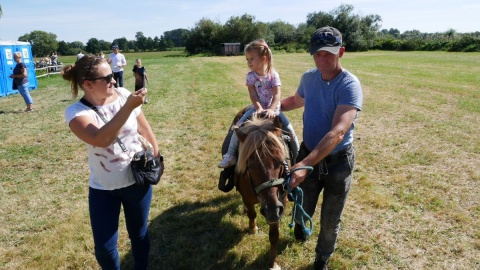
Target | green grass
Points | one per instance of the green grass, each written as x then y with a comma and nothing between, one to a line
413,203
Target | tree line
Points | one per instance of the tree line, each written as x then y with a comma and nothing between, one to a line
360,33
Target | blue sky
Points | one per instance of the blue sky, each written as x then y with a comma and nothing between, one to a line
107,20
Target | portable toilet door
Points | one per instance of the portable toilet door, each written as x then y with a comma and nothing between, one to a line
6,60
7,64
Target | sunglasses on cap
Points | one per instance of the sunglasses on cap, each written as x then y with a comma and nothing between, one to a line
325,39
107,78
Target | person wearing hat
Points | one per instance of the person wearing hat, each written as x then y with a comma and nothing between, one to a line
117,61
332,98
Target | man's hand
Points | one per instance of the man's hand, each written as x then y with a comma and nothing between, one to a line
298,176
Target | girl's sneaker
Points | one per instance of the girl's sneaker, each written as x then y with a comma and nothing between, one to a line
227,161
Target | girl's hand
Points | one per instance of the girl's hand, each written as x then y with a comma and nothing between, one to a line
269,113
257,111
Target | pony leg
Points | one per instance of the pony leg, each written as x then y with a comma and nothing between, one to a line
273,236
252,215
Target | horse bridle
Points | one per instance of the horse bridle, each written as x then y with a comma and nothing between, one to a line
272,182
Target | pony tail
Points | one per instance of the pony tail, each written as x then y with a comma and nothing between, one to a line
268,54
69,74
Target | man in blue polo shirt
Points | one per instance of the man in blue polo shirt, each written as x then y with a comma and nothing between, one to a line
331,97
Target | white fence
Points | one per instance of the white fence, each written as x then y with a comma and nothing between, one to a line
47,71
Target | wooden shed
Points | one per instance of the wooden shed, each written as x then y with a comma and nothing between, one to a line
229,49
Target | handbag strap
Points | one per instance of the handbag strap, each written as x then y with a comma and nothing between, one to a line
88,104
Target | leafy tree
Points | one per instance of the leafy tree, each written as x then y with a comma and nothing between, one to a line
320,19
43,43
150,44
303,34
131,45
162,45
283,33
105,45
63,48
245,29
122,43
466,43
93,46
156,43
205,37
141,41
178,36
358,33
394,32
451,33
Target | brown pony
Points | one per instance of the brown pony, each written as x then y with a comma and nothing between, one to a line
262,164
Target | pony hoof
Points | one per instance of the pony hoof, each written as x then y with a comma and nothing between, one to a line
275,267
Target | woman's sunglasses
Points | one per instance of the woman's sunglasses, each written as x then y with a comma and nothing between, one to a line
325,39
107,78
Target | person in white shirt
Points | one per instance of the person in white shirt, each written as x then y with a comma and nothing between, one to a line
117,61
79,55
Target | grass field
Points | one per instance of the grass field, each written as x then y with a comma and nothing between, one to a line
414,202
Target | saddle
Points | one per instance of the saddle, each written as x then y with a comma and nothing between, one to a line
226,180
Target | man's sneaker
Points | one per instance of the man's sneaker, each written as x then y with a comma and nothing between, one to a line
227,161
320,264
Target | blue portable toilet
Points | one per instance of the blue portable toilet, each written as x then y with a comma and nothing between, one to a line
7,64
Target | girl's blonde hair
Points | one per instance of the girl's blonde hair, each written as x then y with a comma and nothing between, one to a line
261,48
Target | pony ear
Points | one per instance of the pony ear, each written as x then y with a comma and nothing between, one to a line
241,136
277,122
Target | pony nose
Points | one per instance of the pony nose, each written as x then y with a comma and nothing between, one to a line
280,211
272,213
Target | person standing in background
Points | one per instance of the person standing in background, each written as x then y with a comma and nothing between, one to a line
20,80
79,55
54,58
140,75
117,61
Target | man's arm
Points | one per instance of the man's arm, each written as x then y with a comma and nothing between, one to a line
342,121
292,103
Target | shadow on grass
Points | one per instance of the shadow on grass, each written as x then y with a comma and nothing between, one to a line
193,236
17,111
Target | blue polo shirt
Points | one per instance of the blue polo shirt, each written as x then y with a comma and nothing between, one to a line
321,100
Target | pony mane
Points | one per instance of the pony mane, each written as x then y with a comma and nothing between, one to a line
260,138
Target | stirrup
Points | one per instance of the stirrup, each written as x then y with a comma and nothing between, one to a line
226,180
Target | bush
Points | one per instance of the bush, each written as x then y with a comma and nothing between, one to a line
388,44
434,45
467,43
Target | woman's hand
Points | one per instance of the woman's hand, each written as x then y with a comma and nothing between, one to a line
136,99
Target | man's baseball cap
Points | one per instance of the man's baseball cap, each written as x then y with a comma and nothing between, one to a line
114,47
326,39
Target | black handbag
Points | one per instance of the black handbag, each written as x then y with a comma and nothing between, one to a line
146,168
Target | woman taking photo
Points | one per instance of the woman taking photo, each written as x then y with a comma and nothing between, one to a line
111,181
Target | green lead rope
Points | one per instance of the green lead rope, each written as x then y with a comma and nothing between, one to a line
296,194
